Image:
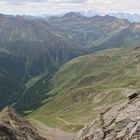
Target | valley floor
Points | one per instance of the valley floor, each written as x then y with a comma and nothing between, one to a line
52,133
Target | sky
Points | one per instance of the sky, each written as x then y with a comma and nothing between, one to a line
37,7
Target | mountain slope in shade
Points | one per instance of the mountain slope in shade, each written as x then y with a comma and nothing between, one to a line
34,41
120,122
11,77
30,48
13,127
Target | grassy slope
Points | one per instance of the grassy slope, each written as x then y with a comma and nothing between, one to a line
89,84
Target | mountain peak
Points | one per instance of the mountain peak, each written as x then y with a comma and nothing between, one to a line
9,114
7,110
73,15
105,17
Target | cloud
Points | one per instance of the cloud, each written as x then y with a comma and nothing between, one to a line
36,7
67,1
49,1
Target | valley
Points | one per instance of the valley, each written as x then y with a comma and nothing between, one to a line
94,83
61,73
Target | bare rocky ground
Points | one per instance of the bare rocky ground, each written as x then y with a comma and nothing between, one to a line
121,122
14,127
52,133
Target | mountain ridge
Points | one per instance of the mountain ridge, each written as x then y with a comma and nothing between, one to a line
13,126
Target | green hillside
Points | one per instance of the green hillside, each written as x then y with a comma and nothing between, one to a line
87,85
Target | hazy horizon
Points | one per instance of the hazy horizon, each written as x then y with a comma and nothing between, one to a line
38,7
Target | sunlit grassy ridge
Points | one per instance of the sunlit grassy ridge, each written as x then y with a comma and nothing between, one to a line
87,85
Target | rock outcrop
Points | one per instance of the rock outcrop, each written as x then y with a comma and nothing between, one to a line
121,122
14,127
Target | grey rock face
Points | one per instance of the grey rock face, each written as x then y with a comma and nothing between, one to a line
14,127
121,122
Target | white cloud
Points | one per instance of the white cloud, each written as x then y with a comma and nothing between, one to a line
49,1
67,1
36,7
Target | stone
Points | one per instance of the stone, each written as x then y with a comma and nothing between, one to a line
121,122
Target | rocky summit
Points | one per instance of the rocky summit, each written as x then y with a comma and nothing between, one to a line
121,122
14,127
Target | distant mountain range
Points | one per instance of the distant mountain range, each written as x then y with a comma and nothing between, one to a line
92,13
98,32
130,17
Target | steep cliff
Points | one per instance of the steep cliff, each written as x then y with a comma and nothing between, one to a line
14,127
122,122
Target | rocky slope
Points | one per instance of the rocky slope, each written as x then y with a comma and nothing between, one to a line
13,127
122,122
